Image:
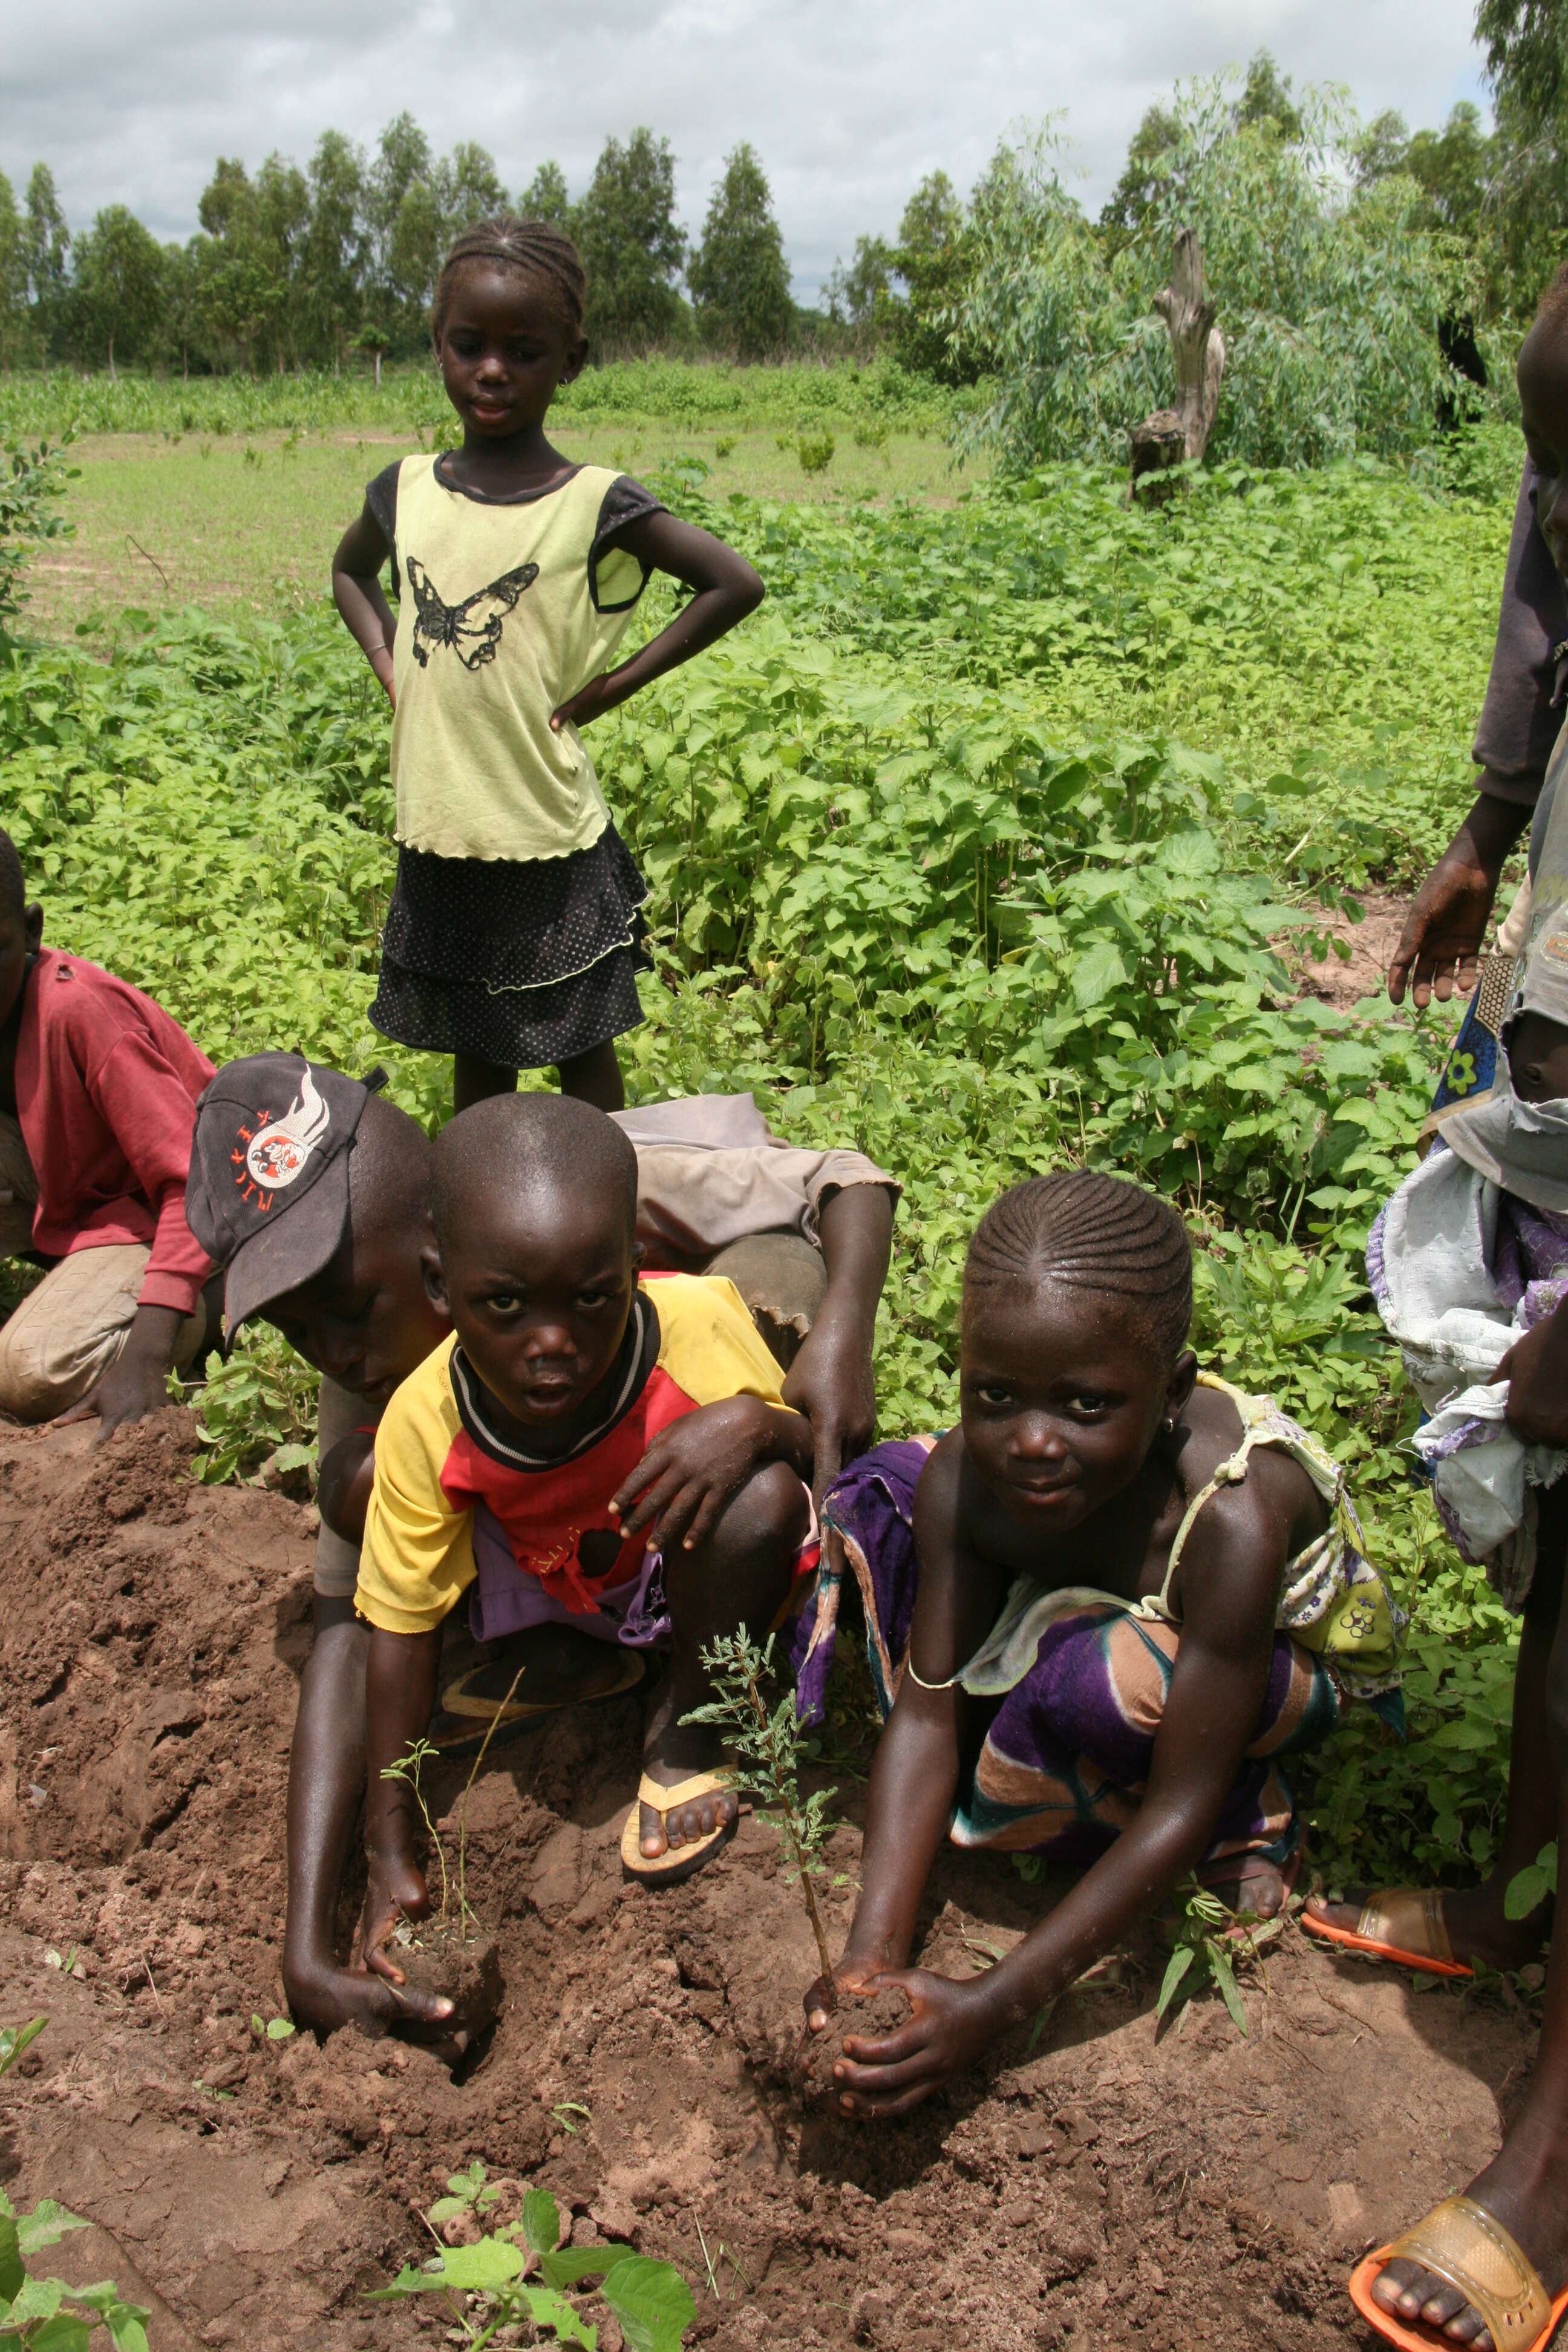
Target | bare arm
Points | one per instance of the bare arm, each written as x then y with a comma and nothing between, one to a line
831,1379
401,1674
1231,1574
356,591
725,590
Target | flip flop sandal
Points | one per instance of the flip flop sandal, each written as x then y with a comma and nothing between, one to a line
469,1710
1461,2243
1401,1923
676,1862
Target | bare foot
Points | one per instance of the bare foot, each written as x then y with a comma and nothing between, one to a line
1478,1929
672,1752
1522,2187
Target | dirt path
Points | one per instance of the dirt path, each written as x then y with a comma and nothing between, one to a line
1104,2189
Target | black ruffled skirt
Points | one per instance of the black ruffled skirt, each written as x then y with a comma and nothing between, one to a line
522,964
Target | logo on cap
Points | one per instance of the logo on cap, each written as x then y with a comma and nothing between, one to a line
276,1153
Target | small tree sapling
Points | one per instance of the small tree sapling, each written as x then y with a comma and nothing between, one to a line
767,1745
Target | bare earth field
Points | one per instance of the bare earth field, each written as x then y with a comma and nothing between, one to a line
1110,2188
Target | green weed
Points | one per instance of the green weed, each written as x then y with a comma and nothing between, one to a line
45,2314
256,1414
649,2299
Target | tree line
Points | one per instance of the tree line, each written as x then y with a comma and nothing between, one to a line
296,268
1454,230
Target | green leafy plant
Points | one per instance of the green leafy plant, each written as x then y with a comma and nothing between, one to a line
257,1415
814,451
768,1745
1211,1943
271,2029
32,484
45,2314
409,1769
650,2300
16,2039
1531,1887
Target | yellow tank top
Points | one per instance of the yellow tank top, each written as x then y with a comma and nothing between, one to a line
505,615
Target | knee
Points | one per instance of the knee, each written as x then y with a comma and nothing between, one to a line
770,1516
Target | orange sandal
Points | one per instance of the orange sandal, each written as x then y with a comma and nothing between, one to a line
1464,2245
1401,1923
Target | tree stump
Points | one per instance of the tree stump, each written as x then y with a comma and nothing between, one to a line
1173,435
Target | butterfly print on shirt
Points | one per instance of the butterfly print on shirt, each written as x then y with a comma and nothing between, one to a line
473,632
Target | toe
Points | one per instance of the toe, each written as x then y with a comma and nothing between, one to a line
653,1839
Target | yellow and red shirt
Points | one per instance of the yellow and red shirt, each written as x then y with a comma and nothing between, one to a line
439,1456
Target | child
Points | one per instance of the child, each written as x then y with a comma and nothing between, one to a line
1103,1608
515,930
332,1259
98,1089
594,1450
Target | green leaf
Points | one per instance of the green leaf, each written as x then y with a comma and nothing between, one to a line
486,2268
278,2028
540,2220
1224,1977
548,2309
575,2262
652,2302
1181,1960
46,2225
14,2039
12,2272
64,2332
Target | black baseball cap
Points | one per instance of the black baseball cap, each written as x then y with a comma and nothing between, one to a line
268,1194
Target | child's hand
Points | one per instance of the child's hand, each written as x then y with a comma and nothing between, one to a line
953,2025
395,1890
696,1466
850,1975
590,702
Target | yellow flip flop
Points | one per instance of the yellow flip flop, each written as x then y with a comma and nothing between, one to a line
1469,2249
676,1862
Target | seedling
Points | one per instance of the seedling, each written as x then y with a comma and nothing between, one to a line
650,2299
410,1766
467,2192
565,2112
1210,1942
14,2039
768,1747
44,2314
274,2029
409,1769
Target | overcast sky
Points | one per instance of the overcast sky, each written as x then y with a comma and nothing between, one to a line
848,103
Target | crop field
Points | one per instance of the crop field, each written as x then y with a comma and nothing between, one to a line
1016,830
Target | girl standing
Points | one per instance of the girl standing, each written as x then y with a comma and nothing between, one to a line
515,930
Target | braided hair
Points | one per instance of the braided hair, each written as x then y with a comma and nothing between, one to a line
531,247
1090,1232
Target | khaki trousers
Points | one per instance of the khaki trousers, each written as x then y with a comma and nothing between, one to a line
63,1338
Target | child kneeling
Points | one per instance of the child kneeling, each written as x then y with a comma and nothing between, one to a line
591,1449
1099,1614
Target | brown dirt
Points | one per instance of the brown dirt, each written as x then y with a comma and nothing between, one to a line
1108,2187
1372,942
872,2015
467,1969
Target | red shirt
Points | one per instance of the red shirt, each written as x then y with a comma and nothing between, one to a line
106,1095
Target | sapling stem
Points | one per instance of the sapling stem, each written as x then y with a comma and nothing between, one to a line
783,1795
769,1748
464,1914
408,1768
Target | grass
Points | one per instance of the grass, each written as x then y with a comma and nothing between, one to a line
247,525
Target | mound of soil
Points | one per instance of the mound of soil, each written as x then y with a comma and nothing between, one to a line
871,2015
1103,2187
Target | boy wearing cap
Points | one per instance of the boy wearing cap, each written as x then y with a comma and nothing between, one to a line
331,1257
98,1091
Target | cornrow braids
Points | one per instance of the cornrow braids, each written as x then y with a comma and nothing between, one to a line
1093,1233
533,249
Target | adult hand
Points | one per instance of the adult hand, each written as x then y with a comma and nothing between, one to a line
951,2025
1441,941
137,1383
694,1468
831,1382
1536,1370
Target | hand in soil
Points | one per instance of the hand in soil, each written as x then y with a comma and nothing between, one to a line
395,1890
851,1978
951,2025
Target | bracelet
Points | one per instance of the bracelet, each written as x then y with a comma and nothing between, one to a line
921,1683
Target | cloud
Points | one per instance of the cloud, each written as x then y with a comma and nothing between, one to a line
848,103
